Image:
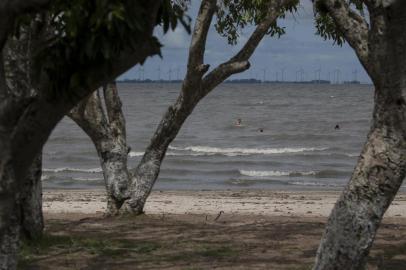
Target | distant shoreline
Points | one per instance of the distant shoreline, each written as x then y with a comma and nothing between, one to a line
251,81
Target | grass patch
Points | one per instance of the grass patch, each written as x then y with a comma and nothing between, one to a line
217,252
50,244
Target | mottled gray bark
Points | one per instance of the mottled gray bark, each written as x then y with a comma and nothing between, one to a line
107,131
381,168
18,55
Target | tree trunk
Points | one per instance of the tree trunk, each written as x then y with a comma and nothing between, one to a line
10,238
144,176
109,139
10,220
357,214
32,219
381,168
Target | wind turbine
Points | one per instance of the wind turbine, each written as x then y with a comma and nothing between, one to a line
159,73
337,72
317,75
264,74
141,74
283,74
170,74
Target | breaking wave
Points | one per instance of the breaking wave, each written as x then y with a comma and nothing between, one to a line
68,169
274,173
208,150
316,174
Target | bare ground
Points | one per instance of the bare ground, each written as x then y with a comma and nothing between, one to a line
195,241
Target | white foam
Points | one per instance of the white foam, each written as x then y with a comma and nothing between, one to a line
317,184
263,173
274,173
245,151
135,154
67,169
87,179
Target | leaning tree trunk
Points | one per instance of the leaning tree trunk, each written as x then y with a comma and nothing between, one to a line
145,174
109,139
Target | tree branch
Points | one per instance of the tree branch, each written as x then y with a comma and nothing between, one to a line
239,62
114,109
199,36
89,115
353,26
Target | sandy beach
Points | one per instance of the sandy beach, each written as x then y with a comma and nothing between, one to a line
183,230
245,202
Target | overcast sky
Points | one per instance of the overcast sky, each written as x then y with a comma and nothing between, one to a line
298,48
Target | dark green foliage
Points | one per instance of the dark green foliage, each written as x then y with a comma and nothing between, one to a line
234,15
84,33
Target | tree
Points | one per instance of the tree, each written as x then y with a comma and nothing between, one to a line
81,46
108,132
375,30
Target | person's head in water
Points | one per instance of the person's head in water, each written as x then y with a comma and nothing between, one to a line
337,127
238,122
261,130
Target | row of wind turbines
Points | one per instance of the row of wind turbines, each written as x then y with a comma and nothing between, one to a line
300,75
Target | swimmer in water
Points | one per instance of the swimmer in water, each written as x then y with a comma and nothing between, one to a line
238,122
261,130
337,127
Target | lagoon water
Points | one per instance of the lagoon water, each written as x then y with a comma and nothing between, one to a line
299,147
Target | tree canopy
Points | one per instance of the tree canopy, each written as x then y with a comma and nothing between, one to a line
234,15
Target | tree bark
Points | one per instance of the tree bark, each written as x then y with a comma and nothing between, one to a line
32,219
146,173
381,168
109,138
376,179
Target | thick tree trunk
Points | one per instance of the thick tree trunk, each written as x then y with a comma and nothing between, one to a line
144,176
10,219
376,179
381,168
32,218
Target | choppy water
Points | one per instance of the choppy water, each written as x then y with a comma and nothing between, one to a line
298,148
